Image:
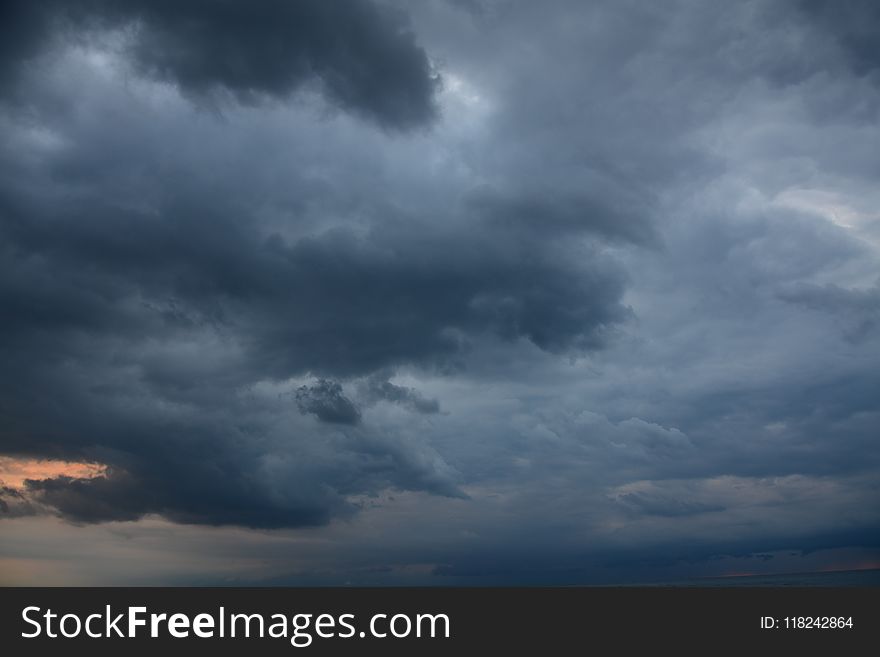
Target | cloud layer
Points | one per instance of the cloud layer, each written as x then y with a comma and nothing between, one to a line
464,291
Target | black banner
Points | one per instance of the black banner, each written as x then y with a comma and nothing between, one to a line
204,621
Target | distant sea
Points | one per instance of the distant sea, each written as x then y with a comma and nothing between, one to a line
832,578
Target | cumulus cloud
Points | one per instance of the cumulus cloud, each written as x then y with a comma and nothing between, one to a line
360,56
326,401
379,388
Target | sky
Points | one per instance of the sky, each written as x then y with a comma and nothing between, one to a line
449,292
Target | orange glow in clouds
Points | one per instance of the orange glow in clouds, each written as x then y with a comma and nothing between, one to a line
13,471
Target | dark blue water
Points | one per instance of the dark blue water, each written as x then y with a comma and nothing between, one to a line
836,578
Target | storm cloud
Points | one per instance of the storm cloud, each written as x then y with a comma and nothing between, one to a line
327,402
378,388
442,292
360,56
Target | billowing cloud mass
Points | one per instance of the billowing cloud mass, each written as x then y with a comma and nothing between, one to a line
489,291
327,402
361,57
378,388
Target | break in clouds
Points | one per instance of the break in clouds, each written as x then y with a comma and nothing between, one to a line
447,291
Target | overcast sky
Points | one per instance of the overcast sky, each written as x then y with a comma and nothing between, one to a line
439,292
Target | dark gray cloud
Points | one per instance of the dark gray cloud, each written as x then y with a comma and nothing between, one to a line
181,270
634,262
854,24
326,401
372,301
360,56
124,496
14,504
23,27
548,211
379,388
655,505
858,310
